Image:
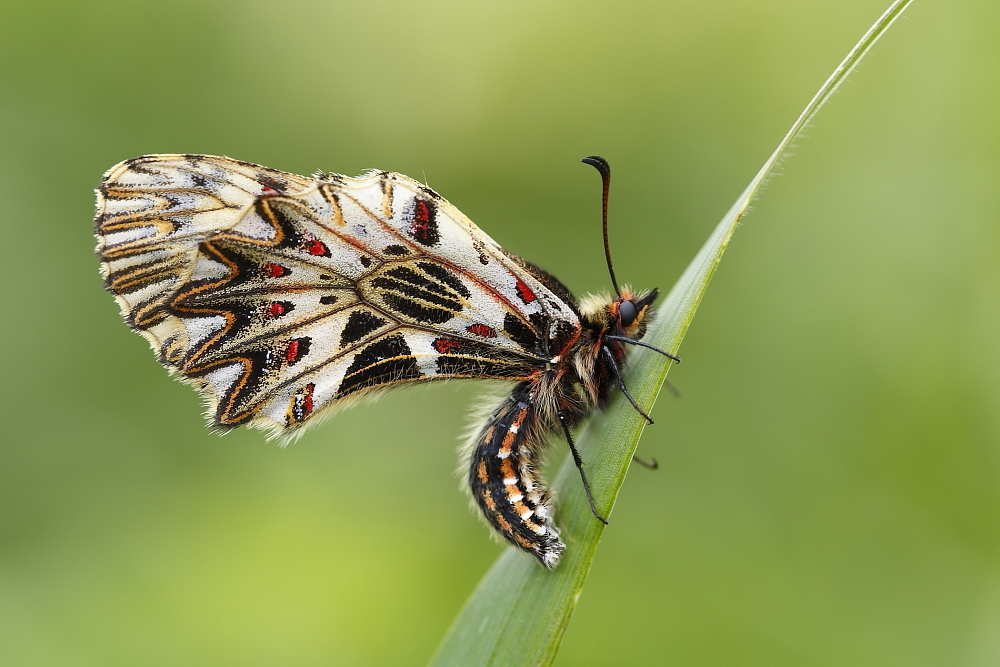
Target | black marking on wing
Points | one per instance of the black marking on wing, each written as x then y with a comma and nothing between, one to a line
420,296
445,276
520,333
465,358
417,311
272,182
421,217
412,284
296,349
395,250
360,324
384,361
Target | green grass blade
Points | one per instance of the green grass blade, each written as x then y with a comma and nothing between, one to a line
519,611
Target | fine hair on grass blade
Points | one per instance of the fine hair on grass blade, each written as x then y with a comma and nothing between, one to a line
517,614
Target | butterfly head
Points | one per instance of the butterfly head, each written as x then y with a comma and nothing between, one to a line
628,314
624,316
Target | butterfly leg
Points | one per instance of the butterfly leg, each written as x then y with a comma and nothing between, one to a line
613,366
504,482
652,463
579,466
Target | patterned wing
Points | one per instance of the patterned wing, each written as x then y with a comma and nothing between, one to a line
278,296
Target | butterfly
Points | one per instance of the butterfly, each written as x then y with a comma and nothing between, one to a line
282,298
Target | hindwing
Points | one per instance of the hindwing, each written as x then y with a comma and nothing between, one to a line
278,295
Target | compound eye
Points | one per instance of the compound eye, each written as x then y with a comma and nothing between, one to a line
627,312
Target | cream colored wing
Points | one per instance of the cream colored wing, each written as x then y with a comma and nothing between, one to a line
278,295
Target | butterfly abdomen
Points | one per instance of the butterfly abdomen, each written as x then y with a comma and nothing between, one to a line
503,480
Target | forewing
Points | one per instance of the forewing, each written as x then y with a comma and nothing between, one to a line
152,214
278,295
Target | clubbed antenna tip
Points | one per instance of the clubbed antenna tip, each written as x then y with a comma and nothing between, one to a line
601,165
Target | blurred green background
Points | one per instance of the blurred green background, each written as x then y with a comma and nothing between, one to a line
828,492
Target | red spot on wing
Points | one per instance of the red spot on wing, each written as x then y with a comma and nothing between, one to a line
269,187
421,222
526,294
313,245
296,349
302,404
317,248
279,308
482,330
447,346
420,213
272,270
307,399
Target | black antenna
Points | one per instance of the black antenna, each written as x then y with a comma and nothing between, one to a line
601,165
